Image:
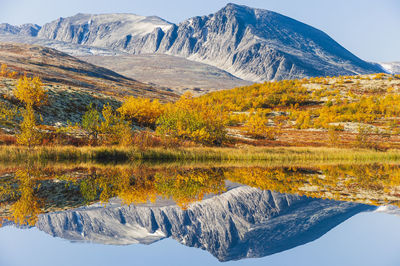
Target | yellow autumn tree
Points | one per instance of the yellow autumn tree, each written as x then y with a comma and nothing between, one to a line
29,135
30,91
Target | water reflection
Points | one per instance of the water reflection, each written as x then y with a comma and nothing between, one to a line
232,212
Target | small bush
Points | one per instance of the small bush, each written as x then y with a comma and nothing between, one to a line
144,112
192,125
257,127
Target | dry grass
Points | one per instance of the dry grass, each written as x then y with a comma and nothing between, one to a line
116,154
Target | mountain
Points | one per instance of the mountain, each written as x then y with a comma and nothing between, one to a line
60,68
392,67
252,44
244,222
23,30
173,72
105,30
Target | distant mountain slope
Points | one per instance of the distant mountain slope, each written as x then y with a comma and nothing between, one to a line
252,44
241,223
54,66
65,47
105,30
392,67
169,71
23,30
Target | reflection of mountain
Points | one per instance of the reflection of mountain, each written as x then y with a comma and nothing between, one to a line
241,223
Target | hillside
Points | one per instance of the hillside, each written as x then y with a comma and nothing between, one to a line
251,44
344,111
56,67
71,84
68,48
173,72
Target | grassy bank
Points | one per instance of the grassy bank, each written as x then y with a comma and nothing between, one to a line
15,154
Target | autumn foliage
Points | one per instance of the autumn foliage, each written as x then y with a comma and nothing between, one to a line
30,91
142,111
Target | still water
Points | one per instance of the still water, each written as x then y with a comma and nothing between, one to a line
325,215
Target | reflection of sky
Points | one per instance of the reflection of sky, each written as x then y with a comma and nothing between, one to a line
365,239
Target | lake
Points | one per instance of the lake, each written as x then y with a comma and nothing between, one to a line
200,215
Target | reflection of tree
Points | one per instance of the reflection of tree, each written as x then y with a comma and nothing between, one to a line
26,209
190,186
70,188
374,184
144,185
104,184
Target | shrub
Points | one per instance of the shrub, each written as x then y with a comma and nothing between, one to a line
144,112
256,126
192,125
113,128
91,123
107,126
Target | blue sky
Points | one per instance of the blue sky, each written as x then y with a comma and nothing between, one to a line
368,28
367,239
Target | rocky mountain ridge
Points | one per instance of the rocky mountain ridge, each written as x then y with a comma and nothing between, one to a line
31,30
252,44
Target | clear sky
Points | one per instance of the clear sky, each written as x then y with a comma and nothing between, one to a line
367,239
368,28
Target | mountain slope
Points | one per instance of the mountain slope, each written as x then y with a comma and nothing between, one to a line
252,44
169,71
392,67
72,49
105,30
241,223
57,67
23,30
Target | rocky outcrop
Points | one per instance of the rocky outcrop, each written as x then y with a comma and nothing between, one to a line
241,223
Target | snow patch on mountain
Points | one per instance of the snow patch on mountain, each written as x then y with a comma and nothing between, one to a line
392,67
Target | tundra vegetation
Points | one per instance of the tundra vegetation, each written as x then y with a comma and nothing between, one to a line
345,112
